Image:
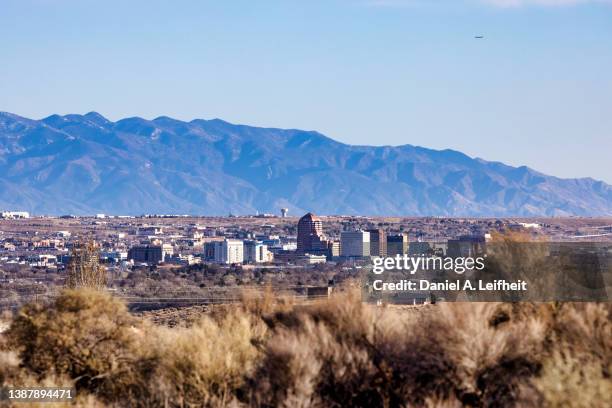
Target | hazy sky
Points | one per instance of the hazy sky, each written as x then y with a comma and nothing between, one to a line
537,90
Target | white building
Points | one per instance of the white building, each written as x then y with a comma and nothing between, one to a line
229,251
167,251
256,252
309,259
14,214
117,256
355,243
149,230
42,260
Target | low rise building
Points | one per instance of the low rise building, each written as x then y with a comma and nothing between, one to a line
149,230
309,259
11,215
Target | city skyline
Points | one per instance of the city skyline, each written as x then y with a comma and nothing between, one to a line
535,90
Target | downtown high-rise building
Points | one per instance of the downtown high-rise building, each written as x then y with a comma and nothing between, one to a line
256,252
229,251
378,242
397,244
355,243
310,239
310,236
150,254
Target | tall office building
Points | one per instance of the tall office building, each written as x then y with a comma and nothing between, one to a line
310,234
355,243
229,251
256,252
209,251
397,244
310,239
378,242
151,254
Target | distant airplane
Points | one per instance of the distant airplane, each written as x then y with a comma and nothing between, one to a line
479,36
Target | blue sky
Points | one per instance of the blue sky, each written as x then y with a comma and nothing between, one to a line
536,91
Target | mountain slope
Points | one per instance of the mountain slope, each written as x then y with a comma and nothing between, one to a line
85,164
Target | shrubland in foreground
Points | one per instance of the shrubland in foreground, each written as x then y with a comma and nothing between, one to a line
336,353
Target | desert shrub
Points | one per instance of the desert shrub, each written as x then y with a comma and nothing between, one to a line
568,380
317,369
342,352
334,353
438,402
496,351
261,303
585,329
576,372
84,335
205,364
13,375
88,338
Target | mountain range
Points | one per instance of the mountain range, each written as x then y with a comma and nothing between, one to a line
87,164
